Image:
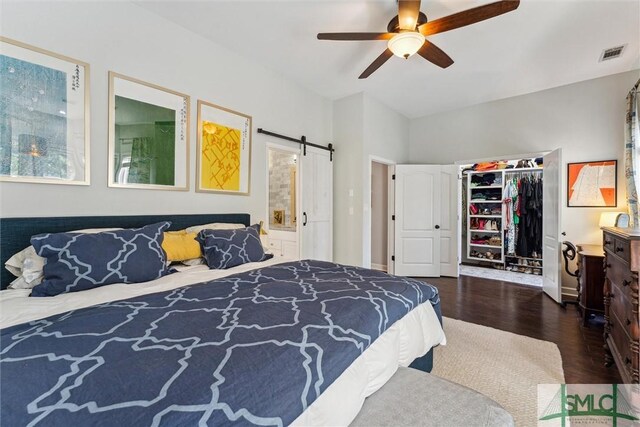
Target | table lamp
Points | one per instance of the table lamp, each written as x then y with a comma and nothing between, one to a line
608,219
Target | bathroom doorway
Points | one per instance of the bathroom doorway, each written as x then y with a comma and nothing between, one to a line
282,201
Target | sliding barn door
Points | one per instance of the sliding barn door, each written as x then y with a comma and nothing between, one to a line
551,220
316,176
417,228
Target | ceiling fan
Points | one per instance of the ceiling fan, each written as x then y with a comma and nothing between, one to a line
406,32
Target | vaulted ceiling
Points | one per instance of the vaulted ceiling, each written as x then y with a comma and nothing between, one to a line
543,44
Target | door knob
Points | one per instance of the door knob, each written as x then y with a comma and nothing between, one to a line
564,233
437,227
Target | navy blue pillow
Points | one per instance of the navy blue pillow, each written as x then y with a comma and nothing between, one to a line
224,249
76,262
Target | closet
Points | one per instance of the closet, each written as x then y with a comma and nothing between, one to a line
504,218
433,224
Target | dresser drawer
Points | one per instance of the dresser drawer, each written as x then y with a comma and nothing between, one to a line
621,248
608,242
619,274
623,311
622,344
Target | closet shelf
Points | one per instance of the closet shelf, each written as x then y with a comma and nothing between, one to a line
498,261
479,231
484,187
516,170
523,257
486,201
485,216
525,266
485,246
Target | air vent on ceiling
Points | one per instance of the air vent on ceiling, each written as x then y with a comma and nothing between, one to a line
612,53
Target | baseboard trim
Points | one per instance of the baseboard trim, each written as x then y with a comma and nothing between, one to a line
379,267
569,292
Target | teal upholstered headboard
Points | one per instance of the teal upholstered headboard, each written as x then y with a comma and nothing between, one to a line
15,233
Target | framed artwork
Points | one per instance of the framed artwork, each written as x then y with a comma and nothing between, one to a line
278,217
44,116
592,184
224,150
148,135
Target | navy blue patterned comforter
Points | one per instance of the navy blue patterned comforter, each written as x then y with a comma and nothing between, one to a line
253,348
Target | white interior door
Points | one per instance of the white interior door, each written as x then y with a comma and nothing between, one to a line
417,229
391,231
449,238
316,176
551,219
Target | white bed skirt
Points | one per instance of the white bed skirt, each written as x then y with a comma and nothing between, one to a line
410,337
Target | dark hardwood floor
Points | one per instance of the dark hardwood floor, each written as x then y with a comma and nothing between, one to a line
528,311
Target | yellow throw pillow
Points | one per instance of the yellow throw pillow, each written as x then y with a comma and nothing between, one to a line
181,246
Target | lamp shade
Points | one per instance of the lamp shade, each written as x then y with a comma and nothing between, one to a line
608,219
406,44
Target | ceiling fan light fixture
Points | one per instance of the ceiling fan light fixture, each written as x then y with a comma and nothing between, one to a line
406,44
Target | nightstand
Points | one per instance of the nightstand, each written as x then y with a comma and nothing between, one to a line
590,280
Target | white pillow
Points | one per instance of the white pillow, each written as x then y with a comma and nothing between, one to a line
265,244
19,283
28,266
214,226
194,261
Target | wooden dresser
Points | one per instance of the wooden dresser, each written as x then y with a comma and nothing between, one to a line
622,263
590,281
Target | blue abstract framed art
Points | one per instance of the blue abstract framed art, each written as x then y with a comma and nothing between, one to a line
44,116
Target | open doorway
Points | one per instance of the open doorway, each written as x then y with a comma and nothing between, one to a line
503,226
379,216
282,201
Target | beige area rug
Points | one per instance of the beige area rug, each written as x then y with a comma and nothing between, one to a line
503,366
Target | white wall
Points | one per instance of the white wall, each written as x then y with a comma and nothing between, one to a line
364,128
123,37
386,138
585,119
348,131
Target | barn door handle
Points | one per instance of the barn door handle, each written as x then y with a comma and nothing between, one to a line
437,227
304,221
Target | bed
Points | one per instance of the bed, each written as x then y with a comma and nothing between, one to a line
277,342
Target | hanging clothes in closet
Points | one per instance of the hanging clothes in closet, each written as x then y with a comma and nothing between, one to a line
522,199
509,199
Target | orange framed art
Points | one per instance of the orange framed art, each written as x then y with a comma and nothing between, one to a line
592,184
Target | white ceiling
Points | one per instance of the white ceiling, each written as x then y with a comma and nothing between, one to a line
543,44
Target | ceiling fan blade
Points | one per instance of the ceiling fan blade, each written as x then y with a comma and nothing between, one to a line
376,64
433,53
355,36
408,11
468,17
